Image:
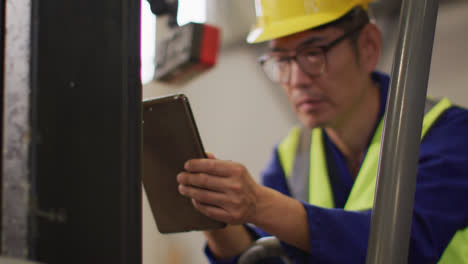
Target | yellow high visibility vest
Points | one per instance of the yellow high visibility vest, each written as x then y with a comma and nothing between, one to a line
362,193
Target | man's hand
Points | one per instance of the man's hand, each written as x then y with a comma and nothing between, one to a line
225,191
222,190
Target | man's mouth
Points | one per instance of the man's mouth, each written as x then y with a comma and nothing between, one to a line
309,104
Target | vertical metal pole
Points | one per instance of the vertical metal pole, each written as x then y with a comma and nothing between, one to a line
396,180
17,129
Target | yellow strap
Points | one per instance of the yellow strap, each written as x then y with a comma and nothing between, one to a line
457,249
320,192
287,150
362,193
433,114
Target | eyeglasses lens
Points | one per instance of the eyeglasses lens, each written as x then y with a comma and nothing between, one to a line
310,60
277,69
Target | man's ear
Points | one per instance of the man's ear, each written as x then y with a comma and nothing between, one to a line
370,44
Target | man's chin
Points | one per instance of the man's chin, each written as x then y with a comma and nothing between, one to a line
312,122
314,119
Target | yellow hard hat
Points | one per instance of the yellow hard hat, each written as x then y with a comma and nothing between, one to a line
278,18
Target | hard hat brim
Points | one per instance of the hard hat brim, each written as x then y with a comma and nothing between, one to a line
278,29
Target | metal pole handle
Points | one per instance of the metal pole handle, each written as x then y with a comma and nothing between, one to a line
393,205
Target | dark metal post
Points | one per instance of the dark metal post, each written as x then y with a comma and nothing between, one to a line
396,180
86,132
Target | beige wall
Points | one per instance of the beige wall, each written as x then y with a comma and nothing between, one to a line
241,115
449,67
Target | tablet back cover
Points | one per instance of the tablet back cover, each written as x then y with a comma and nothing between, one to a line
170,138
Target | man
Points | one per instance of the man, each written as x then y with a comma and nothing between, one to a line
323,54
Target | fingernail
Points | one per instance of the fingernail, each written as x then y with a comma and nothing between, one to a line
187,165
181,189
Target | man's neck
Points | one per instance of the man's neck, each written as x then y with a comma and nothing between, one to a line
352,133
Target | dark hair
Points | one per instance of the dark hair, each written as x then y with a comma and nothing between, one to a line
355,18
351,20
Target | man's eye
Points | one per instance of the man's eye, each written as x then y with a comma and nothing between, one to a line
312,53
283,59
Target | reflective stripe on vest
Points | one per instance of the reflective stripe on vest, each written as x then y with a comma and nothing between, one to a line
362,193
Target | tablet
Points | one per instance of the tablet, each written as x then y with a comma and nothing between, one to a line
170,138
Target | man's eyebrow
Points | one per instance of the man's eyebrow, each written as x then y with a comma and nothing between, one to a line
306,42
275,49
312,40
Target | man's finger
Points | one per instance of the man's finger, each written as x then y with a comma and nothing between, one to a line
213,212
210,155
203,195
211,166
204,181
